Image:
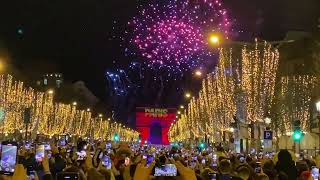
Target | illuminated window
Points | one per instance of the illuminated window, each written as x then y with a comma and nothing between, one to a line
45,81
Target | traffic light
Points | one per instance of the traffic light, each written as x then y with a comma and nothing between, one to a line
116,137
297,133
202,145
174,144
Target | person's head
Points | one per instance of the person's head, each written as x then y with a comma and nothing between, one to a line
221,158
268,168
310,163
284,156
225,167
249,159
301,167
93,174
105,173
220,148
305,175
262,177
76,170
205,174
268,164
244,172
283,176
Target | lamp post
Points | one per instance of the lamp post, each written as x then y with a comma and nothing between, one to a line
318,122
267,120
188,95
267,143
74,104
100,122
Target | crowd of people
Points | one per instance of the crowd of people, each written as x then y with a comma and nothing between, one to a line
132,161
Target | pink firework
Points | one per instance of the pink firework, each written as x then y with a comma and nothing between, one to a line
174,33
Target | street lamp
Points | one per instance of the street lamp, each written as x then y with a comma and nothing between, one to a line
198,73
179,112
50,91
74,103
188,95
214,39
88,109
267,120
182,107
100,115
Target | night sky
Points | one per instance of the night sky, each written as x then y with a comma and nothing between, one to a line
75,36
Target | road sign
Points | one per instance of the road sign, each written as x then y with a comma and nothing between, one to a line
267,135
267,145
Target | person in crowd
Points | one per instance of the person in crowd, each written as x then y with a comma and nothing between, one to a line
286,165
305,175
122,161
301,166
263,177
283,176
268,168
244,172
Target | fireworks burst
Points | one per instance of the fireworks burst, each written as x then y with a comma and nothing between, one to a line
173,33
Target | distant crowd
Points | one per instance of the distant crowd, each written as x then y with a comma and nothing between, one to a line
100,160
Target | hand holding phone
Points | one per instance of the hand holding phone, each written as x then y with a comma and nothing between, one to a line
39,153
62,140
150,158
31,175
258,167
242,159
27,146
68,176
213,176
166,170
47,147
8,158
203,161
314,172
106,162
81,155
108,145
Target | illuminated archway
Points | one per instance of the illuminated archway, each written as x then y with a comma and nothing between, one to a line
147,117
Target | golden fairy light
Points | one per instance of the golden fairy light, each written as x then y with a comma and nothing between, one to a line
294,102
258,78
239,86
49,117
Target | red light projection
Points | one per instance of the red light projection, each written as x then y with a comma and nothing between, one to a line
153,124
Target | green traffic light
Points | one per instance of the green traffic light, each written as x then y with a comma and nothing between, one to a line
116,137
297,135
